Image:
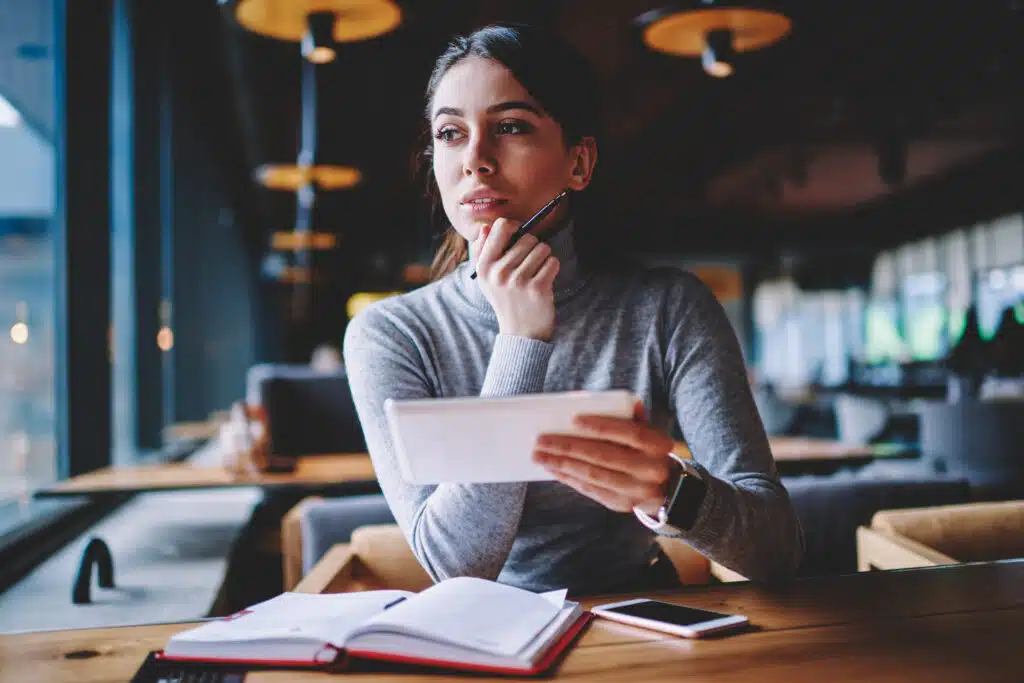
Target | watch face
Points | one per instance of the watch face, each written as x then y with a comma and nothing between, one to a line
686,501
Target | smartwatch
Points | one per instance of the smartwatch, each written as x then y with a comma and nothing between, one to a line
679,510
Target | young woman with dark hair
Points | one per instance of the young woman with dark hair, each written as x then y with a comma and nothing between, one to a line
513,114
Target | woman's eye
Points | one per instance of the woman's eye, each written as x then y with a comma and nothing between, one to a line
448,134
513,128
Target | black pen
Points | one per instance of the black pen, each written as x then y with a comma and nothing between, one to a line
394,602
537,217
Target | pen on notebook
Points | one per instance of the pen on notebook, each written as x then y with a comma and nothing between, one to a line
536,218
394,602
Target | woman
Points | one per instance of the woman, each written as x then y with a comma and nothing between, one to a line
513,121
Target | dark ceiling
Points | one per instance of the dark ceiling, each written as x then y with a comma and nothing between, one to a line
784,153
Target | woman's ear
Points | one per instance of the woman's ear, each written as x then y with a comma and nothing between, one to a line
584,159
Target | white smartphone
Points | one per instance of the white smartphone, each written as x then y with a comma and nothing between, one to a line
679,620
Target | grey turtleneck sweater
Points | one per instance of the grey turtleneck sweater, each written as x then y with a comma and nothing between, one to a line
659,333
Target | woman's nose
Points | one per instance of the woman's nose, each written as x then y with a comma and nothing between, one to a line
480,158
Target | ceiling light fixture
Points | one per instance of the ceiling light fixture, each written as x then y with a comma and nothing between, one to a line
303,239
317,24
318,40
719,55
713,30
292,177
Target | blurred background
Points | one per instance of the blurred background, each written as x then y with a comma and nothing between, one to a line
183,196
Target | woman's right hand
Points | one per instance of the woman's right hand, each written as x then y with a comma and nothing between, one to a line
519,283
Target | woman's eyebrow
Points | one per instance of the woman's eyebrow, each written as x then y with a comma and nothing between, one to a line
447,110
515,104
494,108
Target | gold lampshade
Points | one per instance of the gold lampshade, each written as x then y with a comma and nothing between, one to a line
292,177
287,19
683,32
295,241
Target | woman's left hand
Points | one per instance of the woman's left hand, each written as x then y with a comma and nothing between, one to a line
620,463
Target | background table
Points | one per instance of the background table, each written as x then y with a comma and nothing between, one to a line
254,570
806,455
346,470
355,471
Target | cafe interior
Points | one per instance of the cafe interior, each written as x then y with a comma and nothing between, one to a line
197,197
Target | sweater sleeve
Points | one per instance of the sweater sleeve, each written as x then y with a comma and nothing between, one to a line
746,522
454,529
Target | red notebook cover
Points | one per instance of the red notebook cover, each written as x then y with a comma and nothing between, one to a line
346,659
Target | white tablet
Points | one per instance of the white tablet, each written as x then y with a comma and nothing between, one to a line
480,440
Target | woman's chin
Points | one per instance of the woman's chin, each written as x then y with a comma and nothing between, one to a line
471,229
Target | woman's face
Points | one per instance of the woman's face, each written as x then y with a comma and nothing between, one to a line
497,154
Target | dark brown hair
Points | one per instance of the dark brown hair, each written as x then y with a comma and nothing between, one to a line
550,70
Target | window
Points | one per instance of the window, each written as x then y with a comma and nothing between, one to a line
28,455
998,289
925,311
882,340
853,312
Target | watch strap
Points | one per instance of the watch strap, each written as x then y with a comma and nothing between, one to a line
664,522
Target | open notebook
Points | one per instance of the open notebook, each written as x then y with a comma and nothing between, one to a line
460,623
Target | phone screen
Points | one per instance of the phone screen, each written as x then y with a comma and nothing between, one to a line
668,613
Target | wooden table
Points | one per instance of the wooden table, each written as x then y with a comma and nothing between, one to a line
807,455
328,475
945,624
355,471
802,448
349,470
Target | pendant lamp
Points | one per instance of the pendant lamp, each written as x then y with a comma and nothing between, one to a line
713,31
298,240
292,177
318,24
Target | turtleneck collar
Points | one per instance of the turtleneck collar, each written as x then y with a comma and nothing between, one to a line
571,276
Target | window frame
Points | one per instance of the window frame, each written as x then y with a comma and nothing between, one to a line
81,229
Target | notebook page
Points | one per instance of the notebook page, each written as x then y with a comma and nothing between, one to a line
472,613
327,618
557,597
389,644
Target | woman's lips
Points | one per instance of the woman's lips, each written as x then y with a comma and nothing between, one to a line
485,208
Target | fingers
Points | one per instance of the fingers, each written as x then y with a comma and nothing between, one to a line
494,242
589,478
620,463
510,267
544,280
521,263
534,260
640,412
629,433
610,499
605,455
478,242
